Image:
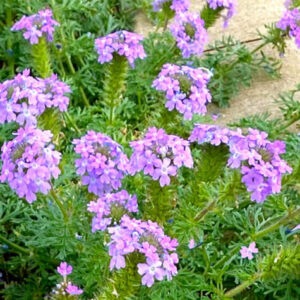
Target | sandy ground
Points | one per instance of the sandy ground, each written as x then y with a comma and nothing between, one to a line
251,16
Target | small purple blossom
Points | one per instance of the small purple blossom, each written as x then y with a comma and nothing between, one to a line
185,89
258,158
296,228
192,244
176,5
123,43
36,26
102,163
189,33
29,163
290,23
110,208
64,269
230,5
147,238
160,155
73,289
247,252
24,98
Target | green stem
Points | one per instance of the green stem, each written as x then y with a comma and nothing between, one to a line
114,85
72,122
8,21
260,234
14,246
68,58
259,47
205,210
290,122
238,289
289,216
41,58
59,204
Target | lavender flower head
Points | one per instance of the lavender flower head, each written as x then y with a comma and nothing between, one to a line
29,163
24,98
175,5
160,155
290,23
36,26
148,239
185,89
102,164
189,33
123,43
66,287
258,158
110,208
230,5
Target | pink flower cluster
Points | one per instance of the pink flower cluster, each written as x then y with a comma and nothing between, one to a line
259,159
176,5
189,32
148,239
160,155
290,23
38,25
66,286
123,43
185,89
230,5
24,98
29,162
102,163
110,207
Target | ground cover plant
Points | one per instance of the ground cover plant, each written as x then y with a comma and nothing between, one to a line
115,181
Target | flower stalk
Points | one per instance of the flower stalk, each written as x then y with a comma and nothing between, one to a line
14,246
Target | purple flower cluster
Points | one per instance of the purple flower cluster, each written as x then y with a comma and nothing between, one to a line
110,208
259,159
176,5
160,155
189,33
102,164
230,5
186,89
148,239
24,98
36,26
29,162
290,23
66,286
122,43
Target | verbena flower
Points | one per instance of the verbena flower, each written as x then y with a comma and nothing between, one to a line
64,269
160,155
73,289
30,162
24,98
148,239
123,43
290,23
36,26
110,208
185,89
176,5
102,163
230,5
247,252
189,33
66,287
259,159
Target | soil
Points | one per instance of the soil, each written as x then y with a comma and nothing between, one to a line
251,16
